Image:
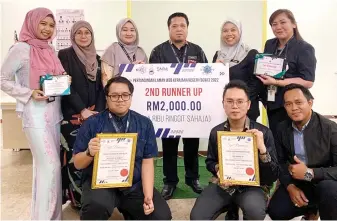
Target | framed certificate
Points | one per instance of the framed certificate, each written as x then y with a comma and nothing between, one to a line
114,163
238,158
55,85
268,64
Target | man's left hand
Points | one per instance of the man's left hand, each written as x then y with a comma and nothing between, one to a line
259,140
148,206
297,170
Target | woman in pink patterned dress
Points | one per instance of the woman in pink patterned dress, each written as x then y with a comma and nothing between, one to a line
29,59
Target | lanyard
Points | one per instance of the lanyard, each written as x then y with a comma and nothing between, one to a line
285,47
279,54
175,54
127,55
114,124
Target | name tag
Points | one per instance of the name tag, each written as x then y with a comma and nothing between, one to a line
271,92
192,59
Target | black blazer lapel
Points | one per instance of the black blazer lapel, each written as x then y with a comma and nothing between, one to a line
290,136
80,64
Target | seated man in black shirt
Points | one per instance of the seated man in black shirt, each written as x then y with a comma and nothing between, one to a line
179,50
307,151
216,198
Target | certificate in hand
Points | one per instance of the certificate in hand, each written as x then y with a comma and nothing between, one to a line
55,85
267,64
114,163
238,158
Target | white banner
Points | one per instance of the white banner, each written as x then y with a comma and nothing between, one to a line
182,100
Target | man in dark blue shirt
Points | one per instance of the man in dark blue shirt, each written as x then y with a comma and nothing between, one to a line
179,50
142,200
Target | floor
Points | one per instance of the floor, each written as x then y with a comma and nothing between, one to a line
16,179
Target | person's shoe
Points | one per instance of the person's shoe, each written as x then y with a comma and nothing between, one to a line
168,191
232,215
195,185
310,216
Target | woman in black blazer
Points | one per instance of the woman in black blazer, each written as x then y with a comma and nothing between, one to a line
299,58
87,98
241,60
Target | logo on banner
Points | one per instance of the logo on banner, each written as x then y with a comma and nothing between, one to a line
151,71
162,69
141,69
207,69
168,133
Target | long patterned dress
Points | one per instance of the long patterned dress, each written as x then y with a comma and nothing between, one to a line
41,124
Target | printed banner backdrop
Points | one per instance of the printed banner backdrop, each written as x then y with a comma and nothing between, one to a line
65,18
182,100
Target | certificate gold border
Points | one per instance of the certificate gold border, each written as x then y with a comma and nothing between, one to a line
256,159
133,136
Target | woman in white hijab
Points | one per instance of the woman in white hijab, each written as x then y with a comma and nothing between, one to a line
241,60
125,51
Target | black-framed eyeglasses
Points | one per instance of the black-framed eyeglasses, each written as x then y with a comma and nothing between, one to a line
115,97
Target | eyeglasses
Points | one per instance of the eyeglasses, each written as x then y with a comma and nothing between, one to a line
87,34
239,103
115,97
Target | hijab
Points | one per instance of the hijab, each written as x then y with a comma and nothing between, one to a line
43,59
87,55
236,52
114,55
131,49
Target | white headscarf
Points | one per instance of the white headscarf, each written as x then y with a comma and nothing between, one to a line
236,52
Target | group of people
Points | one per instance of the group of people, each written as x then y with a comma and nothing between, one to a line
299,150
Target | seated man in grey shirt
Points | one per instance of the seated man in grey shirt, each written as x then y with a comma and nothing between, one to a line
216,197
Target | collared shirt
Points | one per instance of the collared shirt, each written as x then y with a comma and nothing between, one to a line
247,125
163,53
182,53
121,122
101,123
299,142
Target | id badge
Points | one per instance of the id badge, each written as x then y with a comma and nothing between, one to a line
271,93
192,59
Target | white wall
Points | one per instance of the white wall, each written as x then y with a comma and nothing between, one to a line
316,20
206,18
102,15
317,23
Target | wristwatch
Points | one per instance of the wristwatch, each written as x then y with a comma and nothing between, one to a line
308,175
87,152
